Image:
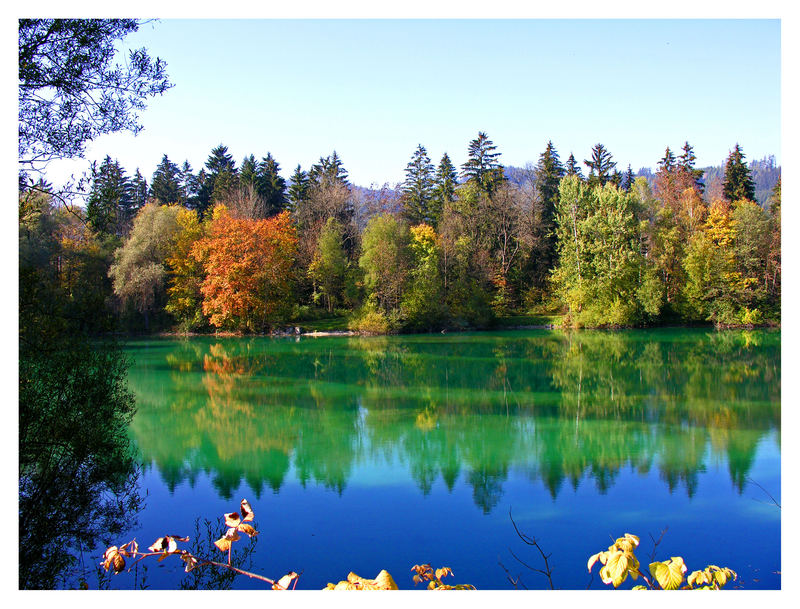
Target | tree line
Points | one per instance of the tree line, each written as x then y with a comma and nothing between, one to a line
240,249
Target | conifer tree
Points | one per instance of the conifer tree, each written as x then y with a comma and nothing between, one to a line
444,188
572,168
139,192
482,165
668,163
165,186
600,166
738,183
271,187
218,162
298,190
627,180
549,172
110,200
686,165
418,187
329,170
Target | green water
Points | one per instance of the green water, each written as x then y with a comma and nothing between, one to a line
370,453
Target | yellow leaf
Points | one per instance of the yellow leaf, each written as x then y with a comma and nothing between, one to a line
669,574
223,544
232,519
248,530
593,559
639,587
112,558
616,569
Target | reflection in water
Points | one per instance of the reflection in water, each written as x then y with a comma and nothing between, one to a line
556,406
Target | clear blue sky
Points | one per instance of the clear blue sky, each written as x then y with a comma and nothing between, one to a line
374,89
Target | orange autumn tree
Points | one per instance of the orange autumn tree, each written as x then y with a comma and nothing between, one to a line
249,270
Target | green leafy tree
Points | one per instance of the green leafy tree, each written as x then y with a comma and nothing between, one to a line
328,269
385,260
738,183
422,305
139,270
70,89
417,188
482,166
185,273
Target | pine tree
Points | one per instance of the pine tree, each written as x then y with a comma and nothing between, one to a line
218,162
165,186
270,185
418,187
572,168
627,180
738,184
444,188
549,172
329,170
110,199
139,192
482,165
188,186
600,166
668,163
686,165
298,190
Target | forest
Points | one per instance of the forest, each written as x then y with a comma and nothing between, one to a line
241,249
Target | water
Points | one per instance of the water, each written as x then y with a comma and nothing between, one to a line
362,454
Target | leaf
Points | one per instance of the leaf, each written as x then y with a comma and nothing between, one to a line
248,530
223,544
232,519
669,574
191,561
698,578
627,543
112,558
284,582
616,570
247,511
593,559
639,587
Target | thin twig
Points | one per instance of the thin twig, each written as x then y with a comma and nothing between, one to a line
749,479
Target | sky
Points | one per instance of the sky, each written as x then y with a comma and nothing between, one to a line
375,89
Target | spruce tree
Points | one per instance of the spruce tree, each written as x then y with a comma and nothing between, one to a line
165,185
188,186
667,164
572,168
298,190
444,188
686,165
418,187
110,199
738,184
271,187
329,170
600,166
627,180
549,172
482,165
139,192
218,162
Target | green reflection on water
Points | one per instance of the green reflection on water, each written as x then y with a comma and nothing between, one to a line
555,405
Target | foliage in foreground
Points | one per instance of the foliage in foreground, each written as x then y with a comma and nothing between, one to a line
619,561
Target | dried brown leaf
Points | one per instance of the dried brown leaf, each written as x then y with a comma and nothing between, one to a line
248,530
284,582
232,519
247,511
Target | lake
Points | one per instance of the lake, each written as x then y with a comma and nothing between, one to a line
369,453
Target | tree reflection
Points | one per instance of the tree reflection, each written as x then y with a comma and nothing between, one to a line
557,406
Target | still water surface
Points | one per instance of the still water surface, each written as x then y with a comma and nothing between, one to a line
362,454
